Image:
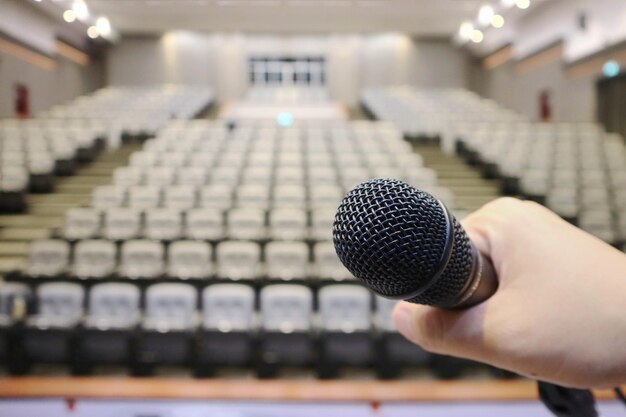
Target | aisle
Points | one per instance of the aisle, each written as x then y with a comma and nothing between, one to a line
470,190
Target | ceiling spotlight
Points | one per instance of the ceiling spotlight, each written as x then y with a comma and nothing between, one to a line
477,36
485,14
497,21
81,10
103,25
69,16
507,3
92,32
522,4
38,1
465,31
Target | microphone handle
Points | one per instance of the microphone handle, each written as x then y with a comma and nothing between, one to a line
481,284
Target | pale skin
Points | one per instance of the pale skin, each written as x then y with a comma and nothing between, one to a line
559,314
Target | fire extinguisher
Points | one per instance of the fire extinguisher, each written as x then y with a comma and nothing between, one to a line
22,105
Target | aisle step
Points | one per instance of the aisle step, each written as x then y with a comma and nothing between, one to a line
23,233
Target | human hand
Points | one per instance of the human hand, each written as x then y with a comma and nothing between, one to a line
559,314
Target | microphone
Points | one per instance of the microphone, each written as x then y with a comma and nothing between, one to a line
404,244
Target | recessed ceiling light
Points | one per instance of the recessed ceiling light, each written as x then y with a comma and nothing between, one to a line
92,32
69,16
497,21
477,36
522,4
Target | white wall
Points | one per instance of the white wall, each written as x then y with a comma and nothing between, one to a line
220,60
571,100
47,87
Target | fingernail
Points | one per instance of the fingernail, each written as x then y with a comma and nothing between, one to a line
402,319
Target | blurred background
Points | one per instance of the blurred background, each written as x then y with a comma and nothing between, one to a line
170,172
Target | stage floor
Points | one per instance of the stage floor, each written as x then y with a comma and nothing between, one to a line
288,113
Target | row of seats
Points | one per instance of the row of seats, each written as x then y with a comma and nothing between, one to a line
575,169
136,110
223,325
208,223
184,259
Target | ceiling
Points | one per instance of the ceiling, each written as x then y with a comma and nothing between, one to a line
416,17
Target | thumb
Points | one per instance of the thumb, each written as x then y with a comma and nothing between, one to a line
448,332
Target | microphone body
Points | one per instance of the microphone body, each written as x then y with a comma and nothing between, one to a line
405,244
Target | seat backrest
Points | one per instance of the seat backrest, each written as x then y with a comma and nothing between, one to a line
325,195
108,196
322,220
94,258
204,224
160,176
60,304
288,224
142,259
163,224
253,195
289,196
383,315
113,305
144,196
246,223
189,259
128,176
287,260
48,257
328,264
286,308
181,197
193,175
218,196
82,223
344,308
238,260
228,307
122,223
12,293
170,306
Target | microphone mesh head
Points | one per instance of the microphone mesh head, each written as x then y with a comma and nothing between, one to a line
393,237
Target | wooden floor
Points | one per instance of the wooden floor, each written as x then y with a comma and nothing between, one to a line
46,211
277,390
470,190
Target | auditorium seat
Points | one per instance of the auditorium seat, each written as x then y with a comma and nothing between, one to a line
246,224
395,351
289,196
143,197
327,264
286,325
94,259
160,176
128,176
48,258
167,328
192,175
218,196
163,224
228,328
189,260
15,298
204,224
82,223
345,321
288,224
238,260
49,333
108,196
109,326
253,196
322,220
287,261
141,259
122,223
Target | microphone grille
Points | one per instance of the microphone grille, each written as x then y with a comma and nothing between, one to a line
393,237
